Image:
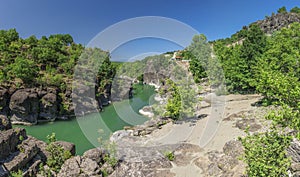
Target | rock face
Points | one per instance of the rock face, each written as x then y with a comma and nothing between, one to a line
79,166
293,151
21,152
225,163
4,123
278,21
24,105
33,105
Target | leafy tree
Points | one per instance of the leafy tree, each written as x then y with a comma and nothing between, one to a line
199,51
282,10
295,10
23,69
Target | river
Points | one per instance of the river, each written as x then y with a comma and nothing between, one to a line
85,131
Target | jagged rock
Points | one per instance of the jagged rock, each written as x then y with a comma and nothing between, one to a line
96,154
4,123
278,21
67,146
4,99
9,140
34,167
243,124
24,106
3,171
294,151
79,166
48,106
233,148
27,150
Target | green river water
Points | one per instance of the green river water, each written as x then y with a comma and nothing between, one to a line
85,131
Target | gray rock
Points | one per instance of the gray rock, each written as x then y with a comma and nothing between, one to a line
9,140
4,100
79,166
293,151
233,148
18,160
48,106
67,146
5,123
24,106
96,154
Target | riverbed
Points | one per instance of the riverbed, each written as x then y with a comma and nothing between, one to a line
86,132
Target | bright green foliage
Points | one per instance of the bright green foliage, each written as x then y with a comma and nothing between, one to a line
239,60
169,155
23,69
265,154
277,72
57,154
173,107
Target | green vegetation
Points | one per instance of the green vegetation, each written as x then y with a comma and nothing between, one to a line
19,173
282,10
269,65
57,153
295,10
265,154
173,107
50,62
169,155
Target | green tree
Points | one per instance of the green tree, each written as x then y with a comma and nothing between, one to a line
282,10
199,52
295,10
23,69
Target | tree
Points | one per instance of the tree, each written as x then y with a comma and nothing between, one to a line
23,69
295,10
282,10
199,52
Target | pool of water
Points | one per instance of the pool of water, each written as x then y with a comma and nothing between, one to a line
85,131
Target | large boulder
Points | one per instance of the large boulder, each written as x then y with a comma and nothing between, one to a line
96,154
67,146
9,140
79,166
49,106
24,106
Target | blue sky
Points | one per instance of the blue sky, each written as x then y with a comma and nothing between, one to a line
85,19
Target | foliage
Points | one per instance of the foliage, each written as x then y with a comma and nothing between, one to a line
174,106
199,53
19,173
169,155
57,154
282,10
265,154
295,10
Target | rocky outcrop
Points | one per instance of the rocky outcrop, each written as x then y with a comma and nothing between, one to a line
225,163
80,166
21,152
4,123
33,105
293,151
278,21
24,106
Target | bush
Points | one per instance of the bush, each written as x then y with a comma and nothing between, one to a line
265,154
57,154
